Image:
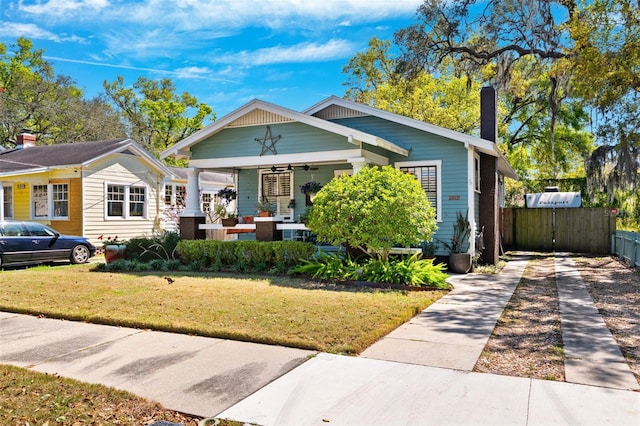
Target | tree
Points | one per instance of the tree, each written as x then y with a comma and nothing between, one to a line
373,210
33,97
154,114
561,46
448,101
451,100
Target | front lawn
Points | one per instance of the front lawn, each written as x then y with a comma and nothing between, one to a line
276,310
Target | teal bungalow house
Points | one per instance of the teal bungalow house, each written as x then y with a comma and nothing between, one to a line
272,151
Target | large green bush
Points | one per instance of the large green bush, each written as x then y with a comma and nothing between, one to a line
244,255
373,210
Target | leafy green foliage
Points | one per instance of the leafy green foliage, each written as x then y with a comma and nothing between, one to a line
155,115
161,246
374,210
409,270
241,256
51,106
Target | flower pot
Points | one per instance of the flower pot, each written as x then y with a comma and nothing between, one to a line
264,214
460,263
229,222
113,252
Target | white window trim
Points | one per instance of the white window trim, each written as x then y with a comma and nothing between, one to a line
476,172
291,195
127,201
3,200
438,165
50,209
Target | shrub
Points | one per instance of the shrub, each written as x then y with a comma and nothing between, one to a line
146,249
241,256
409,270
373,210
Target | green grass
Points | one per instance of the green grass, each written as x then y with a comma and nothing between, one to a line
31,398
274,310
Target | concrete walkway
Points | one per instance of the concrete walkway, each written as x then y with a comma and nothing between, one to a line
453,332
592,356
411,384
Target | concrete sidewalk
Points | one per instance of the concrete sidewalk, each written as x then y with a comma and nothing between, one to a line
270,385
452,332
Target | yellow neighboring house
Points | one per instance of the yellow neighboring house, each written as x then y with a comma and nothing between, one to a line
96,189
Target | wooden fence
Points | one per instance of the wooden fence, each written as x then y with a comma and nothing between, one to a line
581,230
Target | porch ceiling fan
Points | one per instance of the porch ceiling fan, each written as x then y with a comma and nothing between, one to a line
290,168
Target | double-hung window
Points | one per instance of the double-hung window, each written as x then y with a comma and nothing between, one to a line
428,174
124,201
7,202
50,201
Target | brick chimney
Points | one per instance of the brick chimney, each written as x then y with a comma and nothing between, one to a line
488,203
25,140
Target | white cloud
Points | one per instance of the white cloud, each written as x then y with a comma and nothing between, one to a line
302,52
63,8
36,32
194,14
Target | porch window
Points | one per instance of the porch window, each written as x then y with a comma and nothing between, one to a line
206,202
168,195
50,201
276,188
8,202
428,174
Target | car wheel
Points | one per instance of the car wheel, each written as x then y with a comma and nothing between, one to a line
79,254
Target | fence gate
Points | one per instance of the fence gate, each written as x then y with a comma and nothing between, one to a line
580,230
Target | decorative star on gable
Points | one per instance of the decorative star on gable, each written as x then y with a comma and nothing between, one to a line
268,142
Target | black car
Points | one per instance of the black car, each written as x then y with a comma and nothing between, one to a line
23,243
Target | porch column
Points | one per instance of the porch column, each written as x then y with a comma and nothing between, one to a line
1,202
358,163
192,216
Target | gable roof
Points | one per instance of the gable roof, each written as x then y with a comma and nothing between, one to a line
277,113
45,157
349,107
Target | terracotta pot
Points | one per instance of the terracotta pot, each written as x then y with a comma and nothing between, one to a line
114,252
460,263
264,214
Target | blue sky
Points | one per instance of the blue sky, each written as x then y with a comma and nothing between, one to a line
224,52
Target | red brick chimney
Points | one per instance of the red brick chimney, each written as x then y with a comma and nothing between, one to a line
25,140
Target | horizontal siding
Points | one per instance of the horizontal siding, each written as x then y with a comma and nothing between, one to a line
125,170
295,138
72,226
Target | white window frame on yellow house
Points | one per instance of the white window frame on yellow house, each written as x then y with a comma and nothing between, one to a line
129,193
53,203
7,202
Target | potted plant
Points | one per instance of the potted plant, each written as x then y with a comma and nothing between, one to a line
230,221
310,189
227,195
114,249
459,259
265,208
